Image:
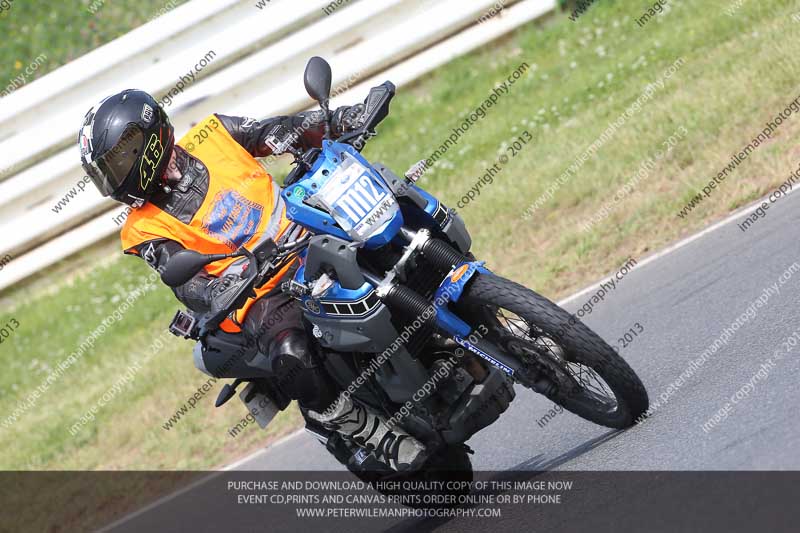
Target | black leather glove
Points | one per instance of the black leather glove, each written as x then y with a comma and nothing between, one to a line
346,119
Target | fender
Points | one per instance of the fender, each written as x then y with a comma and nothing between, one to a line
452,287
450,290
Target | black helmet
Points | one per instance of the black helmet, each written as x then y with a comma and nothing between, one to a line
126,142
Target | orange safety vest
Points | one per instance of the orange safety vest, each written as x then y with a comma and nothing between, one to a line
242,207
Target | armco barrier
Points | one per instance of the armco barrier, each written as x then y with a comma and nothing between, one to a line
257,71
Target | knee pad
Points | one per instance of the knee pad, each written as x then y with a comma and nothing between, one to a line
289,349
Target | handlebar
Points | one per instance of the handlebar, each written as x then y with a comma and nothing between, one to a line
376,108
268,258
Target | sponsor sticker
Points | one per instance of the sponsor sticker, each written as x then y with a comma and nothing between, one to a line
147,114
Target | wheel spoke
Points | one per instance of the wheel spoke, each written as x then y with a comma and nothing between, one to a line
590,382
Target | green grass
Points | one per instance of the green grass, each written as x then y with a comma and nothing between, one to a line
738,73
63,31
131,422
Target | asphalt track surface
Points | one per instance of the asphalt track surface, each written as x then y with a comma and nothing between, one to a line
684,299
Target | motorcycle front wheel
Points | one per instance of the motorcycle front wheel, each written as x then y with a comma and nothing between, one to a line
567,362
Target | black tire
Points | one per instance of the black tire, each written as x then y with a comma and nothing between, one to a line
578,344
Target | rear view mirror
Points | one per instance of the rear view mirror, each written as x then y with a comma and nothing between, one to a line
318,79
183,266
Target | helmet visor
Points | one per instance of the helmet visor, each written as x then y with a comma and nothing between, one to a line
109,171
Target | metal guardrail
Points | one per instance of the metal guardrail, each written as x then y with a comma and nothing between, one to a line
259,56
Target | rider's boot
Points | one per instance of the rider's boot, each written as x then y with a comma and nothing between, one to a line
392,446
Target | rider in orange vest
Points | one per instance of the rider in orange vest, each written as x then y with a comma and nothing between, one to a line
207,192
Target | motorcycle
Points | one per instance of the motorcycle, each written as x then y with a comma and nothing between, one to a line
404,318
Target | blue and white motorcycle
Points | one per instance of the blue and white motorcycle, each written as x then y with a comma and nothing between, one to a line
405,318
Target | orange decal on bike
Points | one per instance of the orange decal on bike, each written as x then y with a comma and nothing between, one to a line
458,274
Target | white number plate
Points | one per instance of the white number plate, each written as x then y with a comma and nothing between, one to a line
357,201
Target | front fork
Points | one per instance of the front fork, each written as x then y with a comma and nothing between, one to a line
397,296
450,291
